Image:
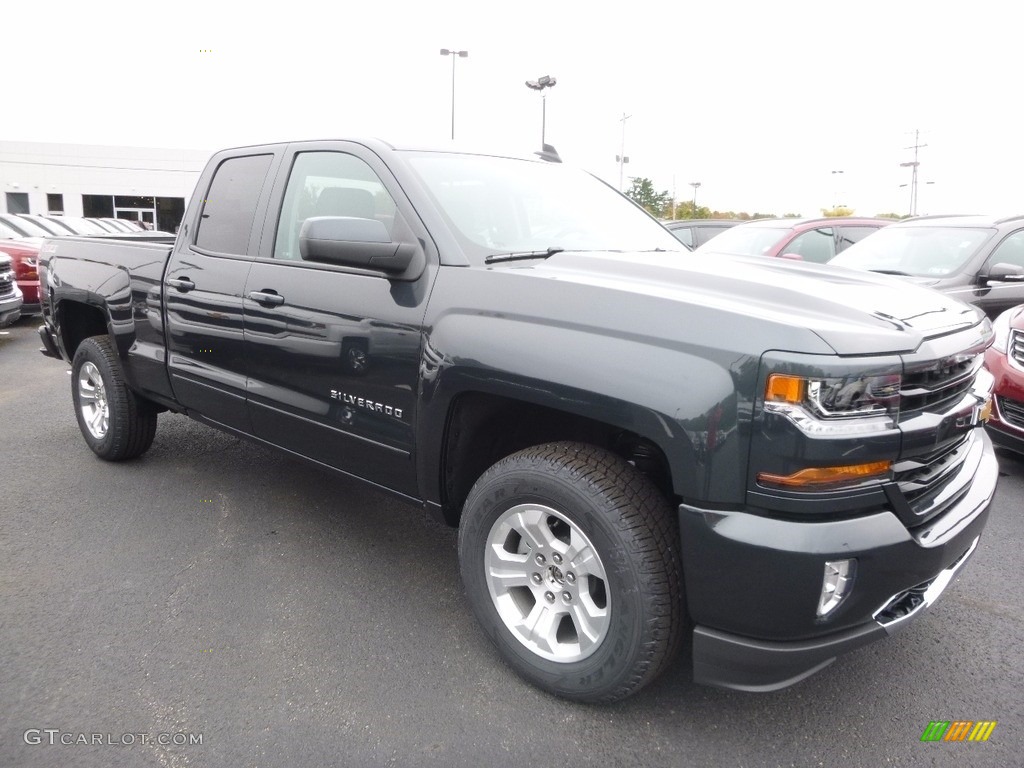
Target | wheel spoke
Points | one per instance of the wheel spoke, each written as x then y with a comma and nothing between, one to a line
542,626
506,570
532,525
590,623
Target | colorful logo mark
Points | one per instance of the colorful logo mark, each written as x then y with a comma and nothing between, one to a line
959,730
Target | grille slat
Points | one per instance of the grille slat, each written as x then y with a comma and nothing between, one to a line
1012,411
939,386
1017,347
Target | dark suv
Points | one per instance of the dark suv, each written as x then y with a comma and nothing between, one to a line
816,240
977,259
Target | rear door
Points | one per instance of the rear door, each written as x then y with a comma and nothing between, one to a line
333,352
204,282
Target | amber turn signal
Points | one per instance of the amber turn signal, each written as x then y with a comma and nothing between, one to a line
785,389
816,477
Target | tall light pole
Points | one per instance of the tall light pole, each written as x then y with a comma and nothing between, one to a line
835,189
455,55
913,164
547,81
696,186
621,158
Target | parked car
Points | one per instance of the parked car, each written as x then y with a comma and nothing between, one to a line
76,225
693,233
10,294
25,227
1005,360
977,259
41,222
816,240
24,255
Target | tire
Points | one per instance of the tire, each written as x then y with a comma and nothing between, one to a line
116,423
601,615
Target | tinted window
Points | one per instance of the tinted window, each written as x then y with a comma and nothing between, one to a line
817,245
683,235
330,184
1010,251
850,235
703,234
230,205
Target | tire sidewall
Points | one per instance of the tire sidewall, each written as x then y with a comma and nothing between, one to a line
89,352
611,665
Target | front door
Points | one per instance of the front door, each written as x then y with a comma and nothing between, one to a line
333,352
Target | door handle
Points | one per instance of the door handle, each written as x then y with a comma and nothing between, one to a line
271,298
183,284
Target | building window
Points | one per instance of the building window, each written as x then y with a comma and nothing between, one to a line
55,203
17,202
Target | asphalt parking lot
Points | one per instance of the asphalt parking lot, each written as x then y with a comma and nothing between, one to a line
214,591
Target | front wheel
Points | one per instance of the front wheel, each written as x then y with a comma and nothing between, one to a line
570,561
116,423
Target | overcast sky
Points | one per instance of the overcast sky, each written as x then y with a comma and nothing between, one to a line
759,101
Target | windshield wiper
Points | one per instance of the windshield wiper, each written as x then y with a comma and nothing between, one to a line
891,272
495,258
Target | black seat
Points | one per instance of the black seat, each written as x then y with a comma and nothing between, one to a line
345,201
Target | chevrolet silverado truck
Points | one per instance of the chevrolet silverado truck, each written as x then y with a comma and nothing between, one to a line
765,463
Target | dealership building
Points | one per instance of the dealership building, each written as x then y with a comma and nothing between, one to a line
149,185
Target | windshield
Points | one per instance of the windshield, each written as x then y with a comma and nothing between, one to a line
502,205
916,251
745,241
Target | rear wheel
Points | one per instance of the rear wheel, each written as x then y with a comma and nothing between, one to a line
116,423
570,560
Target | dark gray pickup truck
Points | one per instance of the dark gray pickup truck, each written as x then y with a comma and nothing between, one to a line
779,462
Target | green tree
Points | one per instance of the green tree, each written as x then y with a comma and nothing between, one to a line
837,211
642,193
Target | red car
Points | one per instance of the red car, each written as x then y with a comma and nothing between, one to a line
24,254
816,240
1005,360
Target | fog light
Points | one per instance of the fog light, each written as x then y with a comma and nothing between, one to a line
837,584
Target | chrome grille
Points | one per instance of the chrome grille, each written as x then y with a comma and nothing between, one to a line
6,280
920,479
1016,348
939,385
1012,411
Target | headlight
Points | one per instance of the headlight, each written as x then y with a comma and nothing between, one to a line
835,406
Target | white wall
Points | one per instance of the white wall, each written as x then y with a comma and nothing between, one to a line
74,170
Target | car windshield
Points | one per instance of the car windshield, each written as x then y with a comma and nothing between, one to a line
745,241
915,250
499,205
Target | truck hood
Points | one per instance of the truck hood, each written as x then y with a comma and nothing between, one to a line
853,312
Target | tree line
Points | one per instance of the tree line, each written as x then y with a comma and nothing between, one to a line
660,205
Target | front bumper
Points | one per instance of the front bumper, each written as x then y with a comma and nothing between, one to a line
10,308
753,583
1006,427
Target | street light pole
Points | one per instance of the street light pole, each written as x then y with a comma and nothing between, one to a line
835,190
539,85
455,55
696,186
621,158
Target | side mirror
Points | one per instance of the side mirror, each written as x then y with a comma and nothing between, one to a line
353,242
1004,273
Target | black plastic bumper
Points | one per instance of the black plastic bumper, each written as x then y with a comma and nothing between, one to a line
753,583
